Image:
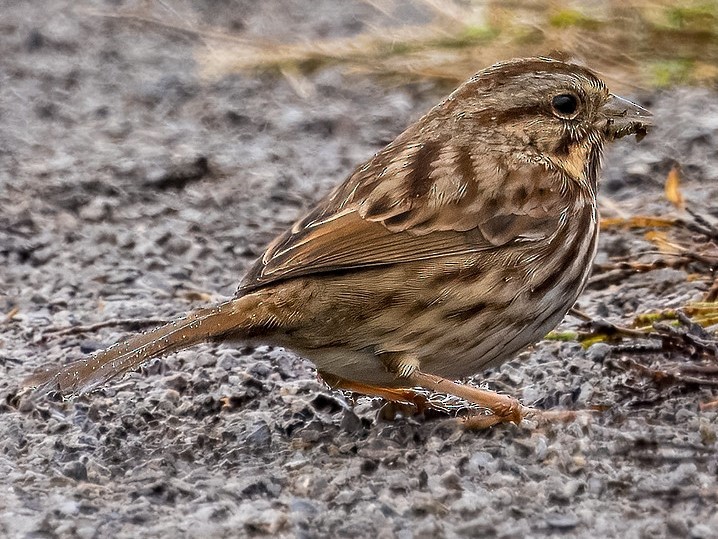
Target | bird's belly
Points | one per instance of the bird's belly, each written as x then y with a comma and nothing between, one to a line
493,348
451,318
453,339
463,350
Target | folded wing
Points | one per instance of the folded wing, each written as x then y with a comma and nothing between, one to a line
415,202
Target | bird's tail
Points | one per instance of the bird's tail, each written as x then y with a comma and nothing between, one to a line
233,318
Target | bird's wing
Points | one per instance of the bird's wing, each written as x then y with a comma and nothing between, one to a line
414,202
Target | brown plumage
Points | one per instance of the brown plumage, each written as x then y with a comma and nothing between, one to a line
464,240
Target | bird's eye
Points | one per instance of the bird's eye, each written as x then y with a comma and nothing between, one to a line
565,105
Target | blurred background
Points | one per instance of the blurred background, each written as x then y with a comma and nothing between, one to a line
634,43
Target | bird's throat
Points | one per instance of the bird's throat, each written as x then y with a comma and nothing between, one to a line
572,161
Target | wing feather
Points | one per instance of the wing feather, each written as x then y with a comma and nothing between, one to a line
415,202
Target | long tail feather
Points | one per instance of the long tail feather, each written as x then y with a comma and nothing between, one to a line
229,318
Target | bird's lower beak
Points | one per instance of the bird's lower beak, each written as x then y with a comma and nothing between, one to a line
624,117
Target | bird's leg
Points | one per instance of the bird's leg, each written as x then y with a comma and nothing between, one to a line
393,394
503,407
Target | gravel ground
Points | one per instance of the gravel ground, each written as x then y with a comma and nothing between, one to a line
131,188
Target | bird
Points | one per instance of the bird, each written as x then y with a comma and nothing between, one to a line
454,247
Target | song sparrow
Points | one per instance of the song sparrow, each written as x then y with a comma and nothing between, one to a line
461,242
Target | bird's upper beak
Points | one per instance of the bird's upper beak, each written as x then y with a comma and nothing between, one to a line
624,117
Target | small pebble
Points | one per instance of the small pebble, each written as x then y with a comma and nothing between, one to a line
562,521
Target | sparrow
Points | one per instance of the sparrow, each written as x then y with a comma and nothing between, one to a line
457,245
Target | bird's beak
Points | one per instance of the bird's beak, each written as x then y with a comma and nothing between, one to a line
624,117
